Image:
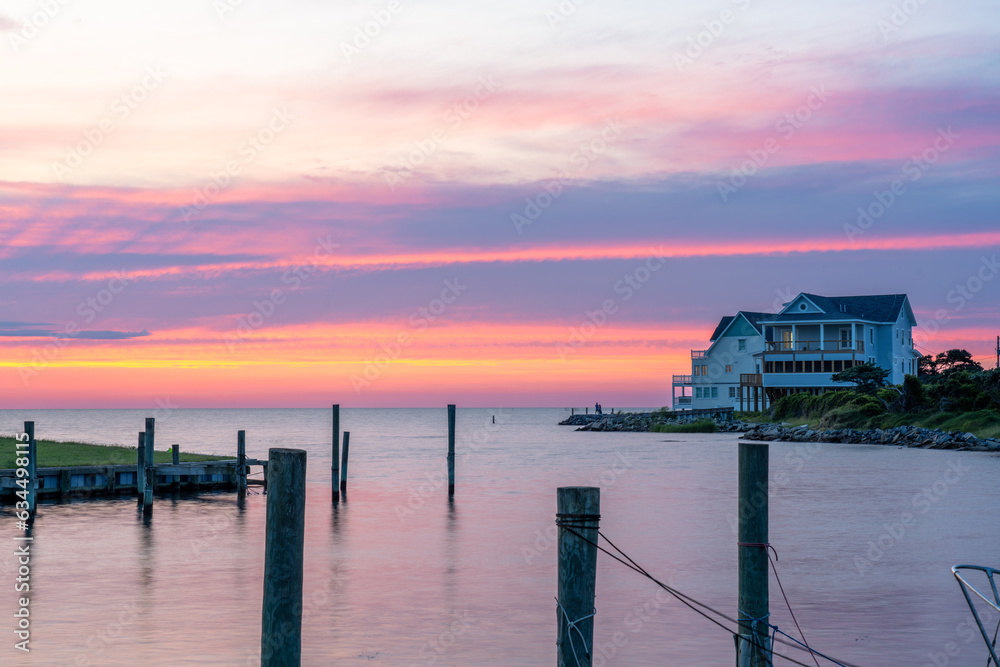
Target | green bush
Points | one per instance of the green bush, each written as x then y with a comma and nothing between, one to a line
701,426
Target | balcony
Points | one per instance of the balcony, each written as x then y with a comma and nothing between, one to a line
683,379
699,354
682,400
835,345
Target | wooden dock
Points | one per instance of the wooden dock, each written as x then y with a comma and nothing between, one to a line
114,480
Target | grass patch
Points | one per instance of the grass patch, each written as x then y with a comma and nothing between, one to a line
52,454
701,426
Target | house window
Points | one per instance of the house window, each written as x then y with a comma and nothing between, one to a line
697,370
715,392
838,366
827,366
704,370
786,339
871,335
742,344
798,366
845,339
729,368
732,392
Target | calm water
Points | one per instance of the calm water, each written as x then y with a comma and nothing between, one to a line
398,576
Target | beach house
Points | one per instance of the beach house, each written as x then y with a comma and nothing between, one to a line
756,358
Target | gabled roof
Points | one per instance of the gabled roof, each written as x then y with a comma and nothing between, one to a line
752,318
874,308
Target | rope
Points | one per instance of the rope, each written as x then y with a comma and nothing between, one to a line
692,604
765,547
577,520
570,626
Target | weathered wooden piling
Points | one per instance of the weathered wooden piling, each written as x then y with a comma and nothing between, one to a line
140,468
175,458
335,467
753,648
147,498
281,626
241,462
343,463
451,450
64,482
578,518
29,429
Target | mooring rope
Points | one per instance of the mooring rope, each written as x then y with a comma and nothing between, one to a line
572,625
692,604
765,546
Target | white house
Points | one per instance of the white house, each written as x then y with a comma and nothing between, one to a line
715,373
799,349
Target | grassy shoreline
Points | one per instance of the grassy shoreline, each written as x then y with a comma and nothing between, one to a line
55,454
981,423
701,426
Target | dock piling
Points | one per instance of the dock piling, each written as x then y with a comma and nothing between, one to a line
140,468
175,458
281,625
335,467
343,464
753,648
451,450
150,471
29,429
241,462
578,518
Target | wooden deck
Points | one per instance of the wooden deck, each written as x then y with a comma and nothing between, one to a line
114,480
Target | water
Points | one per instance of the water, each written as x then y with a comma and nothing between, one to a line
397,576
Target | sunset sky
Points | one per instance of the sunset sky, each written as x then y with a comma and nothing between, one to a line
216,203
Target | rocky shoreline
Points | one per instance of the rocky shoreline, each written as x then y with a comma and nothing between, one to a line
900,436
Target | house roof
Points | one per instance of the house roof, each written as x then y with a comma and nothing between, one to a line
875,308
751,317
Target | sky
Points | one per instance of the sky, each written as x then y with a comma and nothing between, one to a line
242,203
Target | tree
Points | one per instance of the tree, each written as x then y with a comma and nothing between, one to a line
927,366
953,361
867,377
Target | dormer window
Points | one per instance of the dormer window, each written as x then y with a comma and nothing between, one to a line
802,306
